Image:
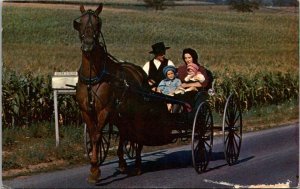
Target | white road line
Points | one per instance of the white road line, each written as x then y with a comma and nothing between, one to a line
279,185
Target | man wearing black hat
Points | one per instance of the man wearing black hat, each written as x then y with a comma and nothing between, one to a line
154,68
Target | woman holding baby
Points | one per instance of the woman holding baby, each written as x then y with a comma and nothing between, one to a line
193,76
191,68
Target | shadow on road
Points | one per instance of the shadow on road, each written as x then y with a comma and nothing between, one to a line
130,169
114,176
161,160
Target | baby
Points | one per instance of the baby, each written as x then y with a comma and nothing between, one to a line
194,75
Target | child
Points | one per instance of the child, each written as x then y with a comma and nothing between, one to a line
168,85
194,75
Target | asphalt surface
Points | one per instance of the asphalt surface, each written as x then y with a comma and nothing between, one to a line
267,157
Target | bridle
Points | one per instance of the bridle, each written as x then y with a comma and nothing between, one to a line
89,37
90,29
89,34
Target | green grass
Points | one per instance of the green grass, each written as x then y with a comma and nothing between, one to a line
36,144
270,116
43,40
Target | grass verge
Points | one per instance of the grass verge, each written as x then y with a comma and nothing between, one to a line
30,150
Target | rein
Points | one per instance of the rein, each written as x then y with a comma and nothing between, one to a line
103,72
96,31
91,81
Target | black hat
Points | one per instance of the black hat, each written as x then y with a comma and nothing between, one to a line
159,48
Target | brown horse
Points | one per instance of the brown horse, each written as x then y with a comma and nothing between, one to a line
118,93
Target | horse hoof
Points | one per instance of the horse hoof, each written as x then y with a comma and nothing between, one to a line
138,171
122,169
92,180
94,177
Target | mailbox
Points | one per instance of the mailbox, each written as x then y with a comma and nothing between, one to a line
62,83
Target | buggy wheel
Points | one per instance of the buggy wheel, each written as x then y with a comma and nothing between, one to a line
104,143
232,129
202,137
130,149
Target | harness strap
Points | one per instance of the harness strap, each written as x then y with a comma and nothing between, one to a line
91,80
125,86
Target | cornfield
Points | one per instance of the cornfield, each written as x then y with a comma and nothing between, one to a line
263,89
28,99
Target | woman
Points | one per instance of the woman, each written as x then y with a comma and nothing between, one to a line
190,56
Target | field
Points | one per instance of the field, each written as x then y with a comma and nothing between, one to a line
39,39
252,54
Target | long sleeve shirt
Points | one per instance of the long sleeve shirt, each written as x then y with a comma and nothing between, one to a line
169,86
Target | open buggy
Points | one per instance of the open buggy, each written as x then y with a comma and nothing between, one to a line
196,124
113,94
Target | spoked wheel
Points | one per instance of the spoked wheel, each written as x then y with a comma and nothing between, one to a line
130,149
202,137
104,143
232,129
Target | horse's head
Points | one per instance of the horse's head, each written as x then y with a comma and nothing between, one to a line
89,27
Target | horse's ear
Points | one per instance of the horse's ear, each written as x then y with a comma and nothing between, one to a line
82,10
99,9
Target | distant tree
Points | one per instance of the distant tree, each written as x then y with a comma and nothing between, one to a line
244,5
295,3
286,3
157,4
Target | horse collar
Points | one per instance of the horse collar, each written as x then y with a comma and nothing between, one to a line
91,80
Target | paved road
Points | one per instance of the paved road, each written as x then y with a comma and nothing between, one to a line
267,157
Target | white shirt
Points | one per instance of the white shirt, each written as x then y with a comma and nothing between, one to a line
157,63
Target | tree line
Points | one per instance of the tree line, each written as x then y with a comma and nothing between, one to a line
239,5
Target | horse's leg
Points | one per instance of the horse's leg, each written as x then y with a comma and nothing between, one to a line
94,170
120,153
138,160
101,120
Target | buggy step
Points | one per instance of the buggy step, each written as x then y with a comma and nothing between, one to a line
218,127
202,137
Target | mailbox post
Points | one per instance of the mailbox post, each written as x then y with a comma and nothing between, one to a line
62,83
